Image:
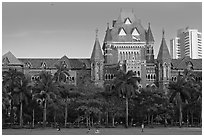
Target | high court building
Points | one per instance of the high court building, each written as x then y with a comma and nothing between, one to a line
127,45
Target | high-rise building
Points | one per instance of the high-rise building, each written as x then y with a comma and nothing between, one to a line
175,48
187,43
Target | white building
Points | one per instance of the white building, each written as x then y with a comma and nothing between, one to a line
175,48
187,43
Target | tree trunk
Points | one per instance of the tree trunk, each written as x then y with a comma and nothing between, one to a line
180,115
21,114
148,117
33,118
191,117
107,119
187,118
131,121
99,119
152,120
126,102
44,114
113,121
92,122
87,121
55,118
65,120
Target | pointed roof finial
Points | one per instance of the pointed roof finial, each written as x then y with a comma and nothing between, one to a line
107,25
149,24
96,32
163,33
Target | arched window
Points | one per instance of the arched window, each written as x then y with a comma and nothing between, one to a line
151,76
148,77
154,76
109,76
138,73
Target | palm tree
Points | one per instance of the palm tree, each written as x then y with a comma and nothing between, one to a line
60,77
46,89
16,84
126,85
180,91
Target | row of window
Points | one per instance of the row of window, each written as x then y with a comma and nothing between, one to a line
151,76
71,79
129,55
129,47
109,76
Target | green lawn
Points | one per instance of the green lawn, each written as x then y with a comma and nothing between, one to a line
105,131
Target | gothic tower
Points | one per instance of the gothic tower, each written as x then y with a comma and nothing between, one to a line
97,63
149,46
164,65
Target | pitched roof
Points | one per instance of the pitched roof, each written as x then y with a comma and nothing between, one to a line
181,63
97,52
149,35
128,28
73,63
9,58
80,63
163,50
37,62
62,59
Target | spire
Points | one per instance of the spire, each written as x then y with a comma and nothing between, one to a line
108,36
163,50
149,35
163,33
97,52
96,33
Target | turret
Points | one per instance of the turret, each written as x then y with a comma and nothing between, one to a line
164,63
97,63
149,46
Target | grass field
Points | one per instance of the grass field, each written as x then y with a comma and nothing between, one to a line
105,131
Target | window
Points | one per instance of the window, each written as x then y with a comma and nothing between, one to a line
122,32
127,21
135,32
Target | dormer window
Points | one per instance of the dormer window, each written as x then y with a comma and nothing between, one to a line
5,60
135,32
28,65
43,65
127,21
122,32
64,64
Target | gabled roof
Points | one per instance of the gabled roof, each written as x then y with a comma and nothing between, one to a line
9,58
135,23
163,50
97,52
64,59
181,63
149,35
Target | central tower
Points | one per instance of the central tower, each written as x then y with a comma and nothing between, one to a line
128,44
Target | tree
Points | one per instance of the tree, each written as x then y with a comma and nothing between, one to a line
181,89
126,86
16,85
46,90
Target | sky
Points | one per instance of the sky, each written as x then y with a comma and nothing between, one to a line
52,30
